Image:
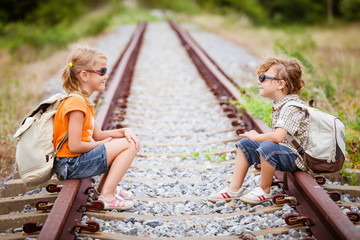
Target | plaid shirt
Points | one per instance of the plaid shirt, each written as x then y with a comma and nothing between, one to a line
295,121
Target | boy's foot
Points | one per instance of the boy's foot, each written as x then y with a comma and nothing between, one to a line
226,195
127,195
256,196
116,203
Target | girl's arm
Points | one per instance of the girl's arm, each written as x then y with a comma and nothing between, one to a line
99,135
76,119
277,136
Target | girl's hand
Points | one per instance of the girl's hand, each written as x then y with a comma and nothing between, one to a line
251,135
130,136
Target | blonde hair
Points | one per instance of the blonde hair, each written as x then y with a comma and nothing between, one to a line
287,69
82,58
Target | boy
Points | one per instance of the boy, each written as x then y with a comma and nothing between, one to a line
280,80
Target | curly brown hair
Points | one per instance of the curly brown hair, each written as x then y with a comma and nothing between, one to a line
287,69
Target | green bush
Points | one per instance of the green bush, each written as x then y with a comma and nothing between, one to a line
255,105
350,9
186,6
296,11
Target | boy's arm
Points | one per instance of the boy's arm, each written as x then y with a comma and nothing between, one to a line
276,137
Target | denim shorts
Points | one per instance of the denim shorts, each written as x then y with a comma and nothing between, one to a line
279,156
88,164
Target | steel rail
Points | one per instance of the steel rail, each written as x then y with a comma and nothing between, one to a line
329,221
65,213
216,79
120,89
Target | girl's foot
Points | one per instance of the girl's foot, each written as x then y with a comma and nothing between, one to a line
123,193
127,195
116,203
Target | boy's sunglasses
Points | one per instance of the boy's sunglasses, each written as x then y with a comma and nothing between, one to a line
262,78
101,72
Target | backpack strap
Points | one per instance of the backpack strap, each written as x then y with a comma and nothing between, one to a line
63,140
292,139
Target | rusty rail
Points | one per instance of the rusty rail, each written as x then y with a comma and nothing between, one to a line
328,221
66,213
215,78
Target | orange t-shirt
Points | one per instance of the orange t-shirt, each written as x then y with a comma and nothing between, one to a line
61,123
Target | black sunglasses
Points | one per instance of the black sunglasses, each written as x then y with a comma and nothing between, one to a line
262,78
101,72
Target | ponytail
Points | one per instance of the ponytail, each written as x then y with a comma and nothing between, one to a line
81,58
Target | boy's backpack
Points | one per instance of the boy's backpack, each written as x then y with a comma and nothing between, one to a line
35,150
325,148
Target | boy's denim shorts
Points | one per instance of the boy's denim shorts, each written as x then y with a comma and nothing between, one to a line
88,164
279,156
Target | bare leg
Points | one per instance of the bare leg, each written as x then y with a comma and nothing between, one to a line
102,181
267,173
120,155
240,170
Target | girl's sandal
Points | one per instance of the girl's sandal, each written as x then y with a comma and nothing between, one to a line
116,203
127,195
123,193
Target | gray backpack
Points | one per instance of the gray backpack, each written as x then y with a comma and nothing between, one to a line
325,148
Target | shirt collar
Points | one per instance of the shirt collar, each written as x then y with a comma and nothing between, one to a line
284,100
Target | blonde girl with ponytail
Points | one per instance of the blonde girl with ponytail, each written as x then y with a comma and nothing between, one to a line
90,151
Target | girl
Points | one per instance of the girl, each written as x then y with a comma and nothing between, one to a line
89,151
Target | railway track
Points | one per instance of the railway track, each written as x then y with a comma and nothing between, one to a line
157,88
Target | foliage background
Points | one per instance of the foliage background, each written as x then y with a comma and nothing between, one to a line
323,34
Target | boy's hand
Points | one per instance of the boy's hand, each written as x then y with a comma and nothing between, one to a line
251,135
130,136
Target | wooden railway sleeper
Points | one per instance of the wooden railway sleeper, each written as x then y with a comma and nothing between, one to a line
247,236
295,218
52,188
43,205
90,226
31,227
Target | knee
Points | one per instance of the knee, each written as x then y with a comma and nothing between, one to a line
266,146
245,141
131,147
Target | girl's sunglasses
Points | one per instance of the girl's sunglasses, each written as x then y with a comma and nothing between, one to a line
262,78
101,72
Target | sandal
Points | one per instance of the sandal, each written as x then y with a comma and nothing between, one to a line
127,195
116,203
